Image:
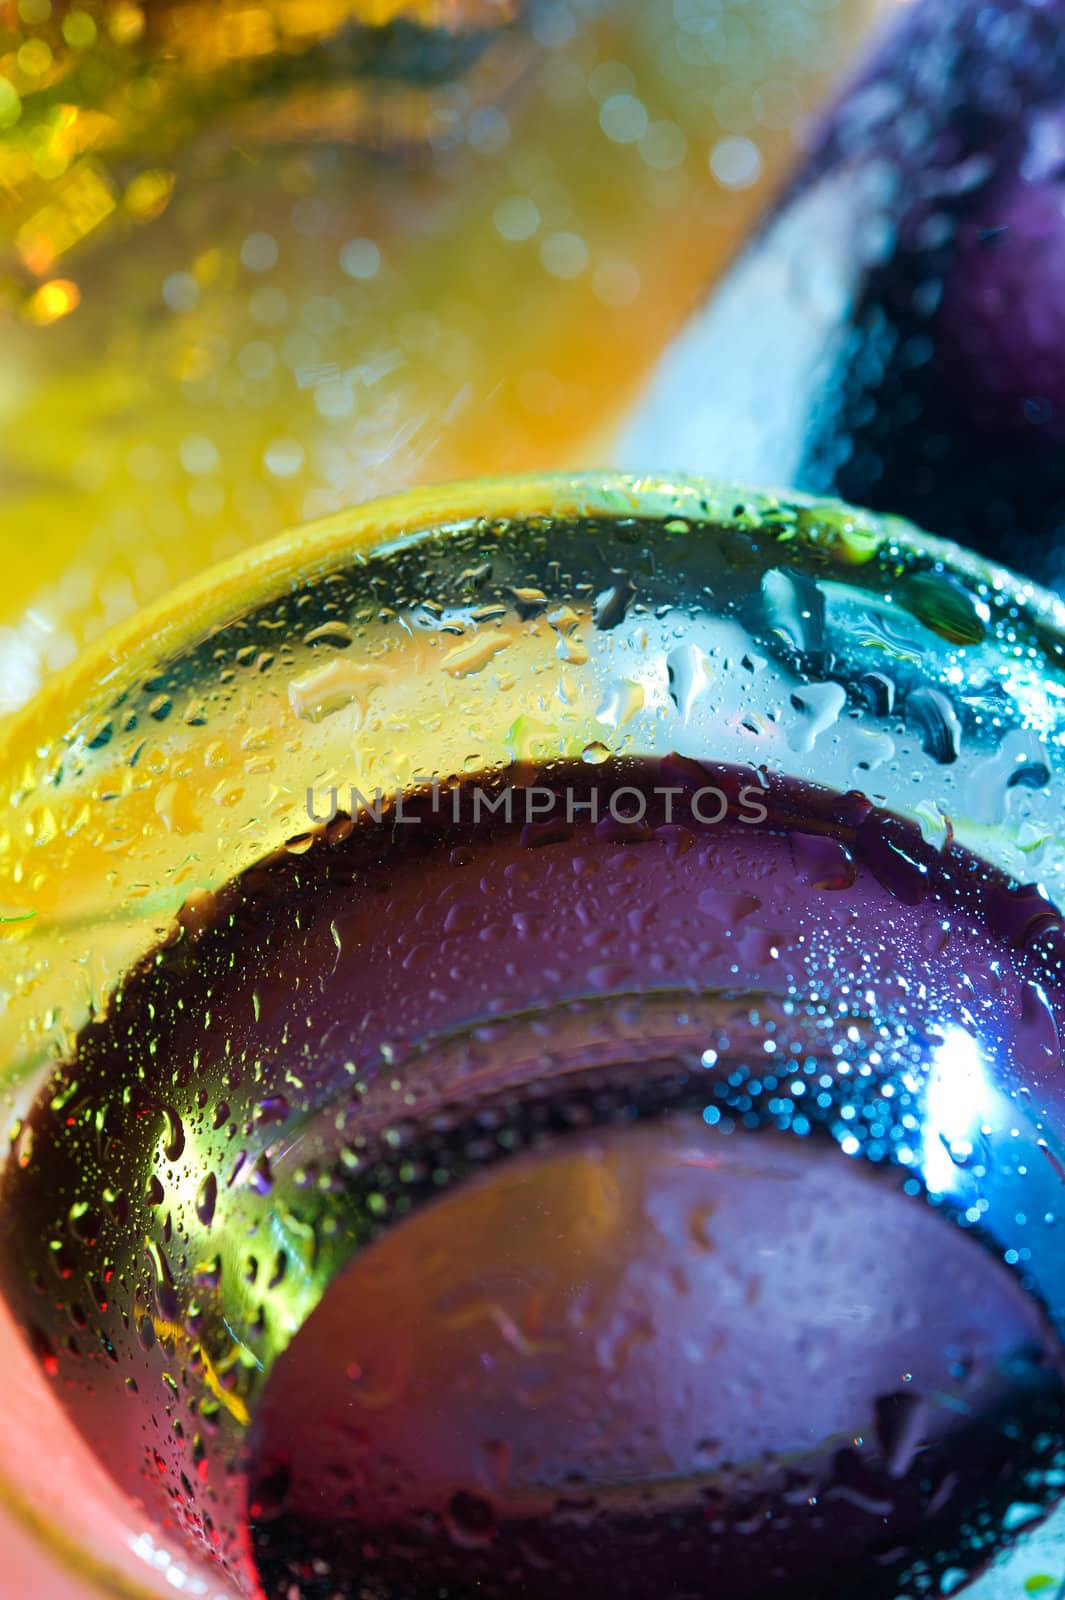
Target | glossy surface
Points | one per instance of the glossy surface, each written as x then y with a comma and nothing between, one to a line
277,1067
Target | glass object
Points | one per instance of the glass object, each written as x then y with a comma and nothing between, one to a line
533,1035
894,333
261,261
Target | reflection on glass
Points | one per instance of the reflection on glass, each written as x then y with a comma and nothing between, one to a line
611,924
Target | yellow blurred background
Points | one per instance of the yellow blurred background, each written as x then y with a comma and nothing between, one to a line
261,260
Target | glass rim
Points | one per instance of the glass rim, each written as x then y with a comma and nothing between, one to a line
381,525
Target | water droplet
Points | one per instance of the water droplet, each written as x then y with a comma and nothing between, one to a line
819,706
621,702
611,606
938,722
822,862
174,1137
206,1199
331,688
473,654
727,906
595,753
690,675
795,609
1020,1514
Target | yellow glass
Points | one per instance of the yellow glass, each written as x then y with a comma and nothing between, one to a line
258,262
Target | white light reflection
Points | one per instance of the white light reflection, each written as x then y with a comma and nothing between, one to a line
958,1104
